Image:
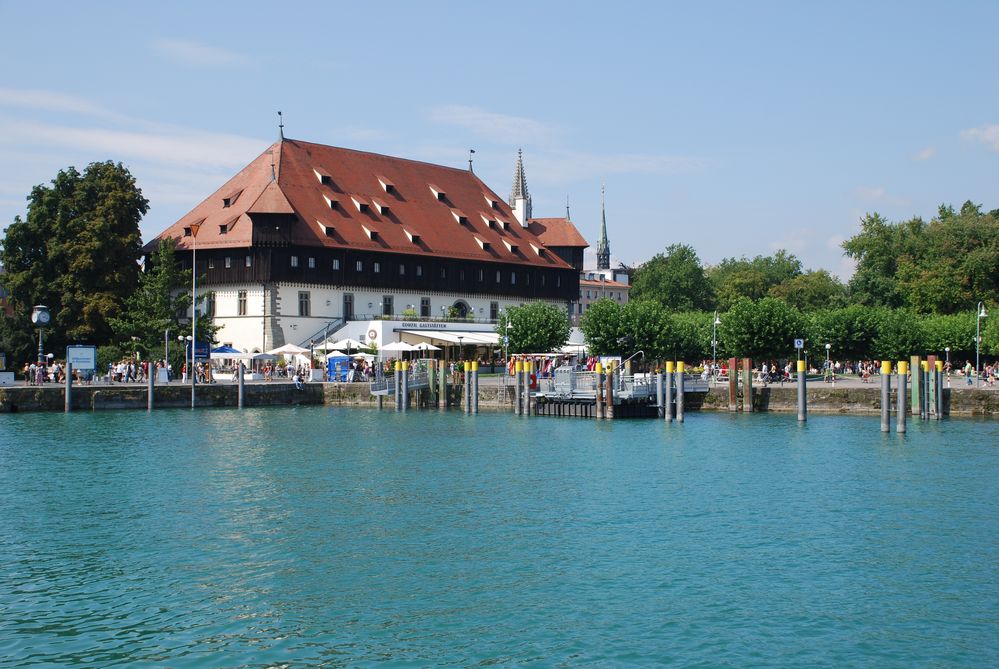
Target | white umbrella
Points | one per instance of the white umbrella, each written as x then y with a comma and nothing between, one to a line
336,354
424,346
289,349
398,346
347,343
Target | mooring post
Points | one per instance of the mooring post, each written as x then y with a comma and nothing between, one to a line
404,401
915,401
240,390
924,396
901,410
442,383
528,372
931,383
802,393
679,391
609,391
659,392
747,385
397,385
939,383
466,387
886,395
598,391
69,387
733,384
669,391
518,385
475,386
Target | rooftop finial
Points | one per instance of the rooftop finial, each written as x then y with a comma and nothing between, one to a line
281,126
471,152
567,217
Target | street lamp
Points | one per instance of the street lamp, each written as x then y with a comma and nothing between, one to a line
947,350
978,340
714,346
829,363
40,316
506,349
459,346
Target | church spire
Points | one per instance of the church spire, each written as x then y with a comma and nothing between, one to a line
520,198
603,246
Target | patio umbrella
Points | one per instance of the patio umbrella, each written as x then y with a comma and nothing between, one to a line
335,354
347,343
398,346
424,346
288,349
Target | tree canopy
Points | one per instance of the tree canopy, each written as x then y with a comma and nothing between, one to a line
75,251
538,327
676,280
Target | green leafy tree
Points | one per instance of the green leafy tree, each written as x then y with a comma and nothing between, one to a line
676,280
733,278
160,304
812,290
538,327
850,331
900,335
956,331
762,329
76,252
603,327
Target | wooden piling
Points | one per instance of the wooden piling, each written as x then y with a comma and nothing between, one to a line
901,399
733,388
679,391
518,386
69,387
885,395
404,401
669,391
240,389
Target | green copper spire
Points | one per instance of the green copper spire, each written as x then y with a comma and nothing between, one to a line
603,246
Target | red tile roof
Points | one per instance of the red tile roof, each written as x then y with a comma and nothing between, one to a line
606,284
283,180
556,232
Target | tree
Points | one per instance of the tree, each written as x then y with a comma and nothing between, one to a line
75,252
900,335
733,278
762,329
812,290
603,327
850,331
538,327
676,280
159,303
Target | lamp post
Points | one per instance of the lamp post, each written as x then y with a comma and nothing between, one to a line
194,303
40,316
460,338
166,347
947,350
190,365
714,346
829,363
506,349
978,341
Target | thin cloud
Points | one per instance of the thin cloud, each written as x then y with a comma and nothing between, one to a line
178,146
880,195
498,127
192,53
560,167
28,98
924,154
987,134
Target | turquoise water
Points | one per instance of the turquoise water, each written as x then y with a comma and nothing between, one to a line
336,537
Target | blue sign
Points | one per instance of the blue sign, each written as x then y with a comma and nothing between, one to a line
202,351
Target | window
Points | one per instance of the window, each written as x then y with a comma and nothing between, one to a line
211,263
425,307
513,278
312,263
241,303
482,275
461,275
348,306
419,270
304,298
387,305
326,180
376,267
223,229
494,311
402,269
587,294
443,272
248,261
360,266
228,262
336,264
226,202
210,305
497,276
294,261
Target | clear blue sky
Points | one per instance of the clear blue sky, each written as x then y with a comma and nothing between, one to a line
738,128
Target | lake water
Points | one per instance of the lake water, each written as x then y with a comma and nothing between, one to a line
318,536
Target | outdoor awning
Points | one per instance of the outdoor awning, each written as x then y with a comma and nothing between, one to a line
451,336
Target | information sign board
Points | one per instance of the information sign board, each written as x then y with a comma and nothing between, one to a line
82,357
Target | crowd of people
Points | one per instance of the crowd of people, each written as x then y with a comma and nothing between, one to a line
831,370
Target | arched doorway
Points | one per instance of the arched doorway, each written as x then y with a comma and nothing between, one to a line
461,309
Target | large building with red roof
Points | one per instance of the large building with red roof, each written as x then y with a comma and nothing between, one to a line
307,237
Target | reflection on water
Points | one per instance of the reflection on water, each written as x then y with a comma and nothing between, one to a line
315,535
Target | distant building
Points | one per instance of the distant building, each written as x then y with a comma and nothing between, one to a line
308,238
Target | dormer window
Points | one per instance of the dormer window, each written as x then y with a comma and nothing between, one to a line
538,250
226,202
230,199
332,202
493,204
187,231
359,202
223,229
413,237
490,222
506,225
484,245
327,230
372,234
387,185
381,206
438,192
460,217
512,248
324,179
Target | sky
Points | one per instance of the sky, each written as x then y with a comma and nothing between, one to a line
737,128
